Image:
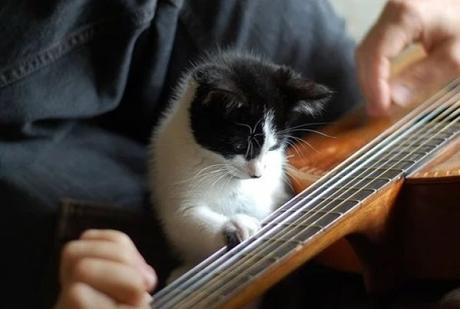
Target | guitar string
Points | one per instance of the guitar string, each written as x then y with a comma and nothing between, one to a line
266,258
171,289
244,259
202,267
440,92
260,257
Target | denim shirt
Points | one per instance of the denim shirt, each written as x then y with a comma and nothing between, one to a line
83,82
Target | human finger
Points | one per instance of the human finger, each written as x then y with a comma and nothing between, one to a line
122,239
106,250
432,72
398,26
82,296
120,282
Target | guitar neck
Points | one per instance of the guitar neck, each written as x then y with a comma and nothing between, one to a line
350,196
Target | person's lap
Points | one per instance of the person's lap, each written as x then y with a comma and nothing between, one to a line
82,62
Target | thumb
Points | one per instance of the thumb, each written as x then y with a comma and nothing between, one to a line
422,77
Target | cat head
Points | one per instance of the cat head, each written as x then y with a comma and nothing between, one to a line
243,108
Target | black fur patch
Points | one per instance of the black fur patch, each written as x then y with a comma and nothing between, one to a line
235,90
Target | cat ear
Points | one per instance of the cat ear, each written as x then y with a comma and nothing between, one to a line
228,100
208,75
308,96
305,95
217,88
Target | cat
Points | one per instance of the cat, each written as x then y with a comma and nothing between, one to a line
217,158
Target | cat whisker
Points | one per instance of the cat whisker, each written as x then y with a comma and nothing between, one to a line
249,146
290,172
258,144
222,176
299,153
287,180
245,125
303,126
209,178
301,141
257,124
199,174
289,140
295,148
208,169
312,131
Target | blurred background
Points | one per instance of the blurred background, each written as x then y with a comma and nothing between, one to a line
359,14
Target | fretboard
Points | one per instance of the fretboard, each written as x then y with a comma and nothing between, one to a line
394,154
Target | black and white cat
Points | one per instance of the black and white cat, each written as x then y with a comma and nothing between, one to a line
218,155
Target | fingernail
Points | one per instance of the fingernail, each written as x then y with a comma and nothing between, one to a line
401,94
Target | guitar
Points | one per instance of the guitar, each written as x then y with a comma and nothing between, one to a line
390,187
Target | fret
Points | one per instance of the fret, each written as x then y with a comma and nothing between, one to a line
255,269
426,141
390,173
415,154
401,155
325,220
398,164
291,209
407,146
235,284
300,227
288,248
435,141
311,212
292,205
339,208
210,297
330,205
356,194
302,231
253,255
249,271
281,240
331,200
414,145
424,135
453,128
371,183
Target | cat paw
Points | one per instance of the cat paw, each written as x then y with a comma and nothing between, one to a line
239,228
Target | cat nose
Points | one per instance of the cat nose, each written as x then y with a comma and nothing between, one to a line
254,169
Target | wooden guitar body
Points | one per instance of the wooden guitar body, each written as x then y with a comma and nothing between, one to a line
410,230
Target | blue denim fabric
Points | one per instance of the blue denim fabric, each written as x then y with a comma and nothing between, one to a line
81,85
